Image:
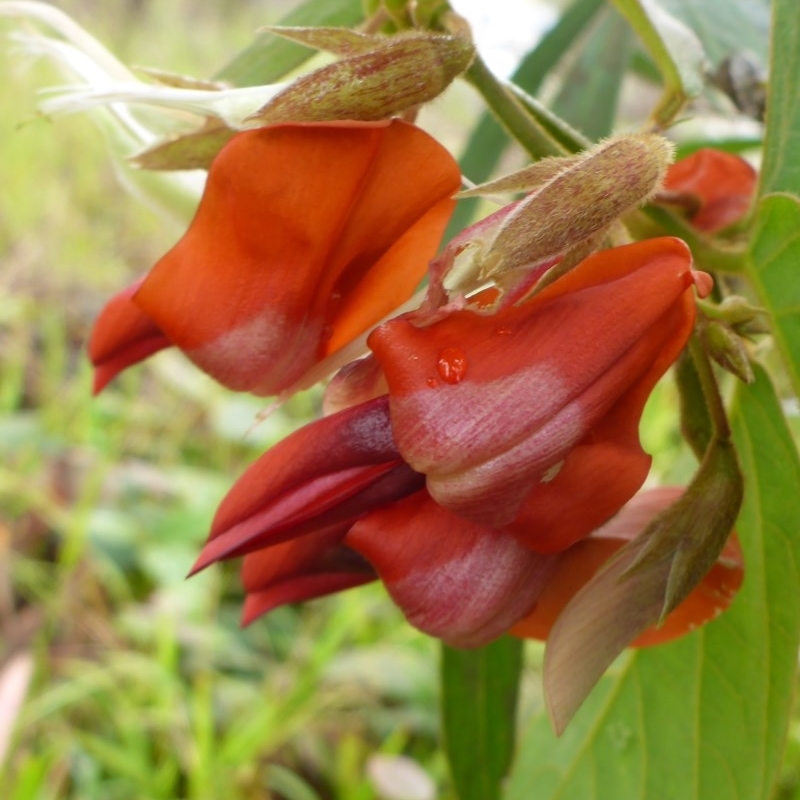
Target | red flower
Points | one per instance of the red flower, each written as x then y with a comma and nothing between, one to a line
578,564
518,418
306,236
719,187
325,474
523,425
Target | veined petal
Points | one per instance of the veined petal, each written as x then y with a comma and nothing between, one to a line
122,335
462,582
487,405
306,235
329,472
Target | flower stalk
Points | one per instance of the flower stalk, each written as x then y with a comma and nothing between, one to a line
708,382
521,126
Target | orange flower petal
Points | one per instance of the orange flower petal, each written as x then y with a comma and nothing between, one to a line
306,235
122,335
328,472
305,568
722,183
598,476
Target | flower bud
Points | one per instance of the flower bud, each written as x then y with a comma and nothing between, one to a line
579,202
740,315
525,180
716,188
342,42
404,72
728,350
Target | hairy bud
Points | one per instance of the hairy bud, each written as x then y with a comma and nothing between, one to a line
581,201
403,72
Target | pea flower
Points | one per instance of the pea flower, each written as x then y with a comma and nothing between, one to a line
306,236
504,438
516,418
717,187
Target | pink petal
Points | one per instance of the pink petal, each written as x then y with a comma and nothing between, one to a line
462,582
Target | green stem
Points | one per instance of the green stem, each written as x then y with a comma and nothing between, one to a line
654,221
570,139
510,112
711,393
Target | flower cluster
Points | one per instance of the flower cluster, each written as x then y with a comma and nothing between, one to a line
483,458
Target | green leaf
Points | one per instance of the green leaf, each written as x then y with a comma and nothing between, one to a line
706,716
735,26
773,269
479,708
780,170
676,50
591,87
488,141
271,57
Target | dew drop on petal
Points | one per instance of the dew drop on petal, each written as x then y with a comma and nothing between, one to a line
504,331
452,365
432,382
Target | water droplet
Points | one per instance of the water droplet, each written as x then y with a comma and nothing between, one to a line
432,382
452,365
504,331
